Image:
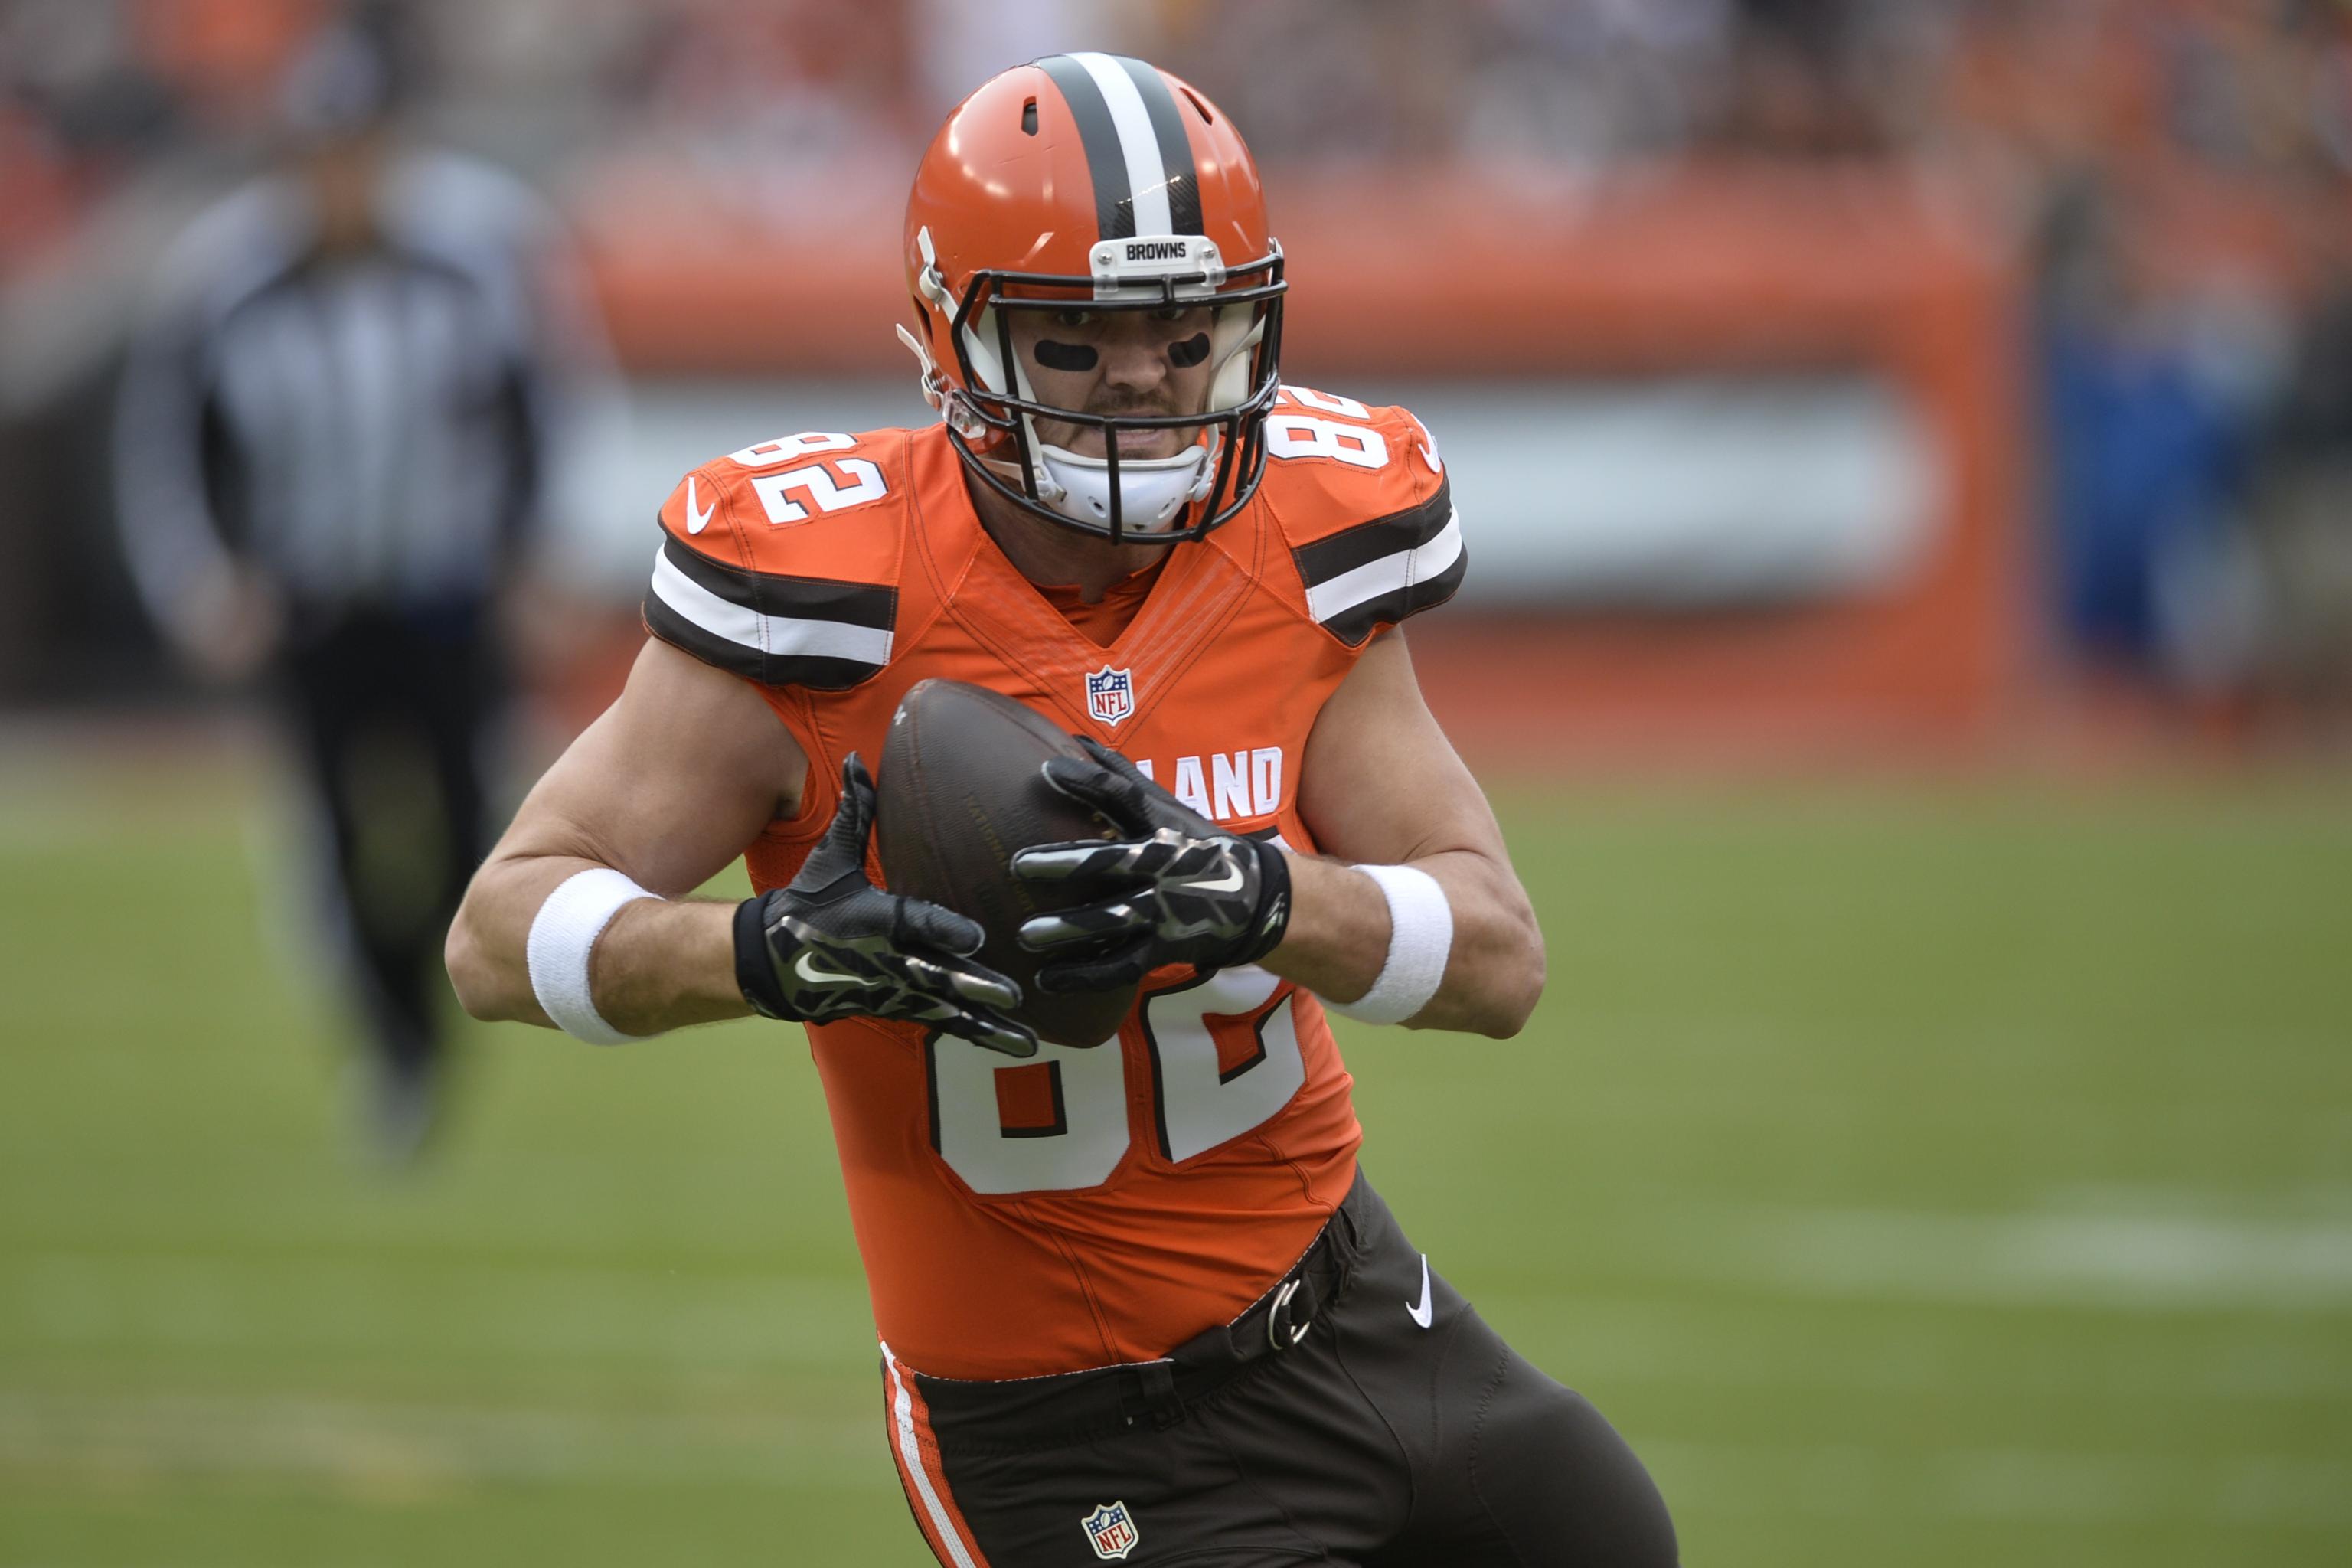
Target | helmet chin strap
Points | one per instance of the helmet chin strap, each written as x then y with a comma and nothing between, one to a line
1151,490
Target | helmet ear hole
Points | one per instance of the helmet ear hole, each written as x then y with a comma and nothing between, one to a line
1029,118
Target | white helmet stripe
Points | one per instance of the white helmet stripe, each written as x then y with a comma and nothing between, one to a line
1147,175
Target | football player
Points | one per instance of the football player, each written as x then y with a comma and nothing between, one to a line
1134,1299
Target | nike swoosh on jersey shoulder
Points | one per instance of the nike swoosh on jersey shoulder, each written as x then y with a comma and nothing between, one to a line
803,494
782,562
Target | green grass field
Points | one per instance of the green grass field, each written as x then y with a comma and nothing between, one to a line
1919,1175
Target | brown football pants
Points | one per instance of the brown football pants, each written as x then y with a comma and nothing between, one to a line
1362,1414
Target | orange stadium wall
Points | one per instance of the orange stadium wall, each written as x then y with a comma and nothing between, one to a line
1753,271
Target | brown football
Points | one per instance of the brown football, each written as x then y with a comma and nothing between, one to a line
958,793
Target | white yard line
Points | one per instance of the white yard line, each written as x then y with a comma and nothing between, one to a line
424,1446
2115,1260
1722,1342
102,1299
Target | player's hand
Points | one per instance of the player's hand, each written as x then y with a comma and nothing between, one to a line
831,944
1175,888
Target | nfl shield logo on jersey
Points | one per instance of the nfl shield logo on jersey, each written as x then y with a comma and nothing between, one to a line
1110,694
1113,1533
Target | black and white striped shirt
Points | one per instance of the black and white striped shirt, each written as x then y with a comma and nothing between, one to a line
369,430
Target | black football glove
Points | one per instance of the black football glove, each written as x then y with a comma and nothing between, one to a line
1176,888
830,945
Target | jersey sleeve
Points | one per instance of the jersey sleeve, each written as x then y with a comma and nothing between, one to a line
780,563
1366,510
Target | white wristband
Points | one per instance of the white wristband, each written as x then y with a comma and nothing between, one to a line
1421,934
563,935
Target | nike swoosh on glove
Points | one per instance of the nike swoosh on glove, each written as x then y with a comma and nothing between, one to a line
1174,889
830,945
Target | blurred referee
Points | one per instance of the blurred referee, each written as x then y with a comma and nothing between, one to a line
334,432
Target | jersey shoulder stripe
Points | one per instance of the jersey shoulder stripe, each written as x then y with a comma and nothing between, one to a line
1380,572
781,563
774,629
1366,508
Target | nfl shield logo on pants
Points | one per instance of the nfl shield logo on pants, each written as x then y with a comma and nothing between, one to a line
1110,694
1113,1533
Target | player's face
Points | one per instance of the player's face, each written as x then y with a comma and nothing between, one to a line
1117,362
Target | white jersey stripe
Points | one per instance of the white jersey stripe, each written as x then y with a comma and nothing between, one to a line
783,635
910,1450
1147,176
1388,573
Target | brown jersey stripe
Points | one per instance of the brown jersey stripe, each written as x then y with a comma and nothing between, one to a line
777,630
1357,622
1366,542
776,594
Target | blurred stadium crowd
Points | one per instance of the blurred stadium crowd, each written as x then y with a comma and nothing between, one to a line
2168,179
2244,87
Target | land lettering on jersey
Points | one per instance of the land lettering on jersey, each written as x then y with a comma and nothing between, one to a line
1223,786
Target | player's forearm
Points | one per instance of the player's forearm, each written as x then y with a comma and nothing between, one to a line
1338,934
664,965
659,964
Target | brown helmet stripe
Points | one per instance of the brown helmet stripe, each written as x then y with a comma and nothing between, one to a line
1175,149
1133,137
1098,138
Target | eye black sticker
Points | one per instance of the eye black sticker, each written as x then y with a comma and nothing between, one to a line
1064,356
1184,355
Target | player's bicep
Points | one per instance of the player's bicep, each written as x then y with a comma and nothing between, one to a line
670,783
1380,783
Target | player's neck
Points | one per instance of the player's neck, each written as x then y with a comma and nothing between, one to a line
1055,557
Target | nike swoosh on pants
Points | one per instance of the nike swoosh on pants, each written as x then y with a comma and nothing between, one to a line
1419,1312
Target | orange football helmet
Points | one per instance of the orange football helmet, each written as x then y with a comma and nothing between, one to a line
1091,182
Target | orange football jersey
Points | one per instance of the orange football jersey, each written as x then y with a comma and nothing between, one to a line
1085,1207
